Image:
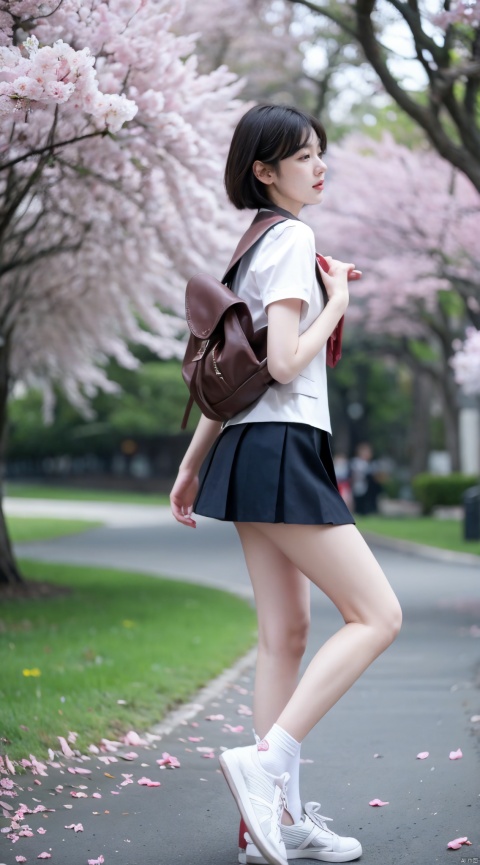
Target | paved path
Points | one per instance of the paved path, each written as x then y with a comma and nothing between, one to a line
419,696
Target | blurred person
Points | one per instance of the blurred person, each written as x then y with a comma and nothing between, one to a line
342,472
269,470
365,485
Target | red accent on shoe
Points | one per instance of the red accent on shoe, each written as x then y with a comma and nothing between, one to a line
241,835
263,745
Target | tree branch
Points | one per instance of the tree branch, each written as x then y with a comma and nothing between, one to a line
51,147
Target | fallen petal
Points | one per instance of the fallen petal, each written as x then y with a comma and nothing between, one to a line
215,718
457,843
98,861
423,755
44,856
146,782
169,760
456,755
20,859
378,803
65,747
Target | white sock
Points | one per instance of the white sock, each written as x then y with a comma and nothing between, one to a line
279,752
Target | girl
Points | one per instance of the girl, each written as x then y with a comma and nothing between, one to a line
269,470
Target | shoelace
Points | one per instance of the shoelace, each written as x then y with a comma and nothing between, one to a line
312,811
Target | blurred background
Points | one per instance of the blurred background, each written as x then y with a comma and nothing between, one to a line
107,207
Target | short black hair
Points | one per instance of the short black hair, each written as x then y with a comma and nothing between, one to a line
268,133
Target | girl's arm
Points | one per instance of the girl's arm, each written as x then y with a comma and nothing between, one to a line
185,487
287,352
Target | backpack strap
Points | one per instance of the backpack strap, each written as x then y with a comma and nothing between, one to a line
260,225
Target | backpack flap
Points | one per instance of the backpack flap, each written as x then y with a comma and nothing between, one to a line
206,300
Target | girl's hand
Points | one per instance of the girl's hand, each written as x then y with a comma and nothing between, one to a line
182,497
335,280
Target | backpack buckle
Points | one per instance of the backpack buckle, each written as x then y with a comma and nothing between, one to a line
201,351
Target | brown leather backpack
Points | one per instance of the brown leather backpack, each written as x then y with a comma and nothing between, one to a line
225,364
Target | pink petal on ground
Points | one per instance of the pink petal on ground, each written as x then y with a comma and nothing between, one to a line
76,770
65,747
9,765
204,749
457,843
209,756
244,710
146,782
41,830
72,737
77,827
98,861
229,729
169,760
378,803
215,718
44,856
20,859
456,755
195,738
423,755
194,724
78,795
132,738
96,795
130,756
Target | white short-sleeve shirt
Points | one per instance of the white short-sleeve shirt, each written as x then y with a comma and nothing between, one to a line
282,266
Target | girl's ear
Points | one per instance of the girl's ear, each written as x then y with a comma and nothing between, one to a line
264,173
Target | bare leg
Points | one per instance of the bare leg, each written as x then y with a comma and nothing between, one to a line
339,562
282,598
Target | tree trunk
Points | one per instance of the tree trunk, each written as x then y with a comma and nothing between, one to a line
9,573
420,427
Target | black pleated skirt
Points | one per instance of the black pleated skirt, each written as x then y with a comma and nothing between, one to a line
271,473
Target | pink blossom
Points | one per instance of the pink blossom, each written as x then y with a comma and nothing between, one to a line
146,782
168,760
457,843
378,803
456,755
98,861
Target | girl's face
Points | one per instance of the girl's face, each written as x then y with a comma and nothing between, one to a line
298,180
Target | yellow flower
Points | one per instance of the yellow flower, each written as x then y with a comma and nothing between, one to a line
33,672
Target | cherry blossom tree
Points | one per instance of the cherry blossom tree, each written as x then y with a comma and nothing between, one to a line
410,222
112,147
439,54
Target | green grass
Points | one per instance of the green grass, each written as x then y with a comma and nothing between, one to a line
446,534
44,491
116,637
23,529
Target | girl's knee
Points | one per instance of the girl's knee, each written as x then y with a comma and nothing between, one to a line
390,623
285,641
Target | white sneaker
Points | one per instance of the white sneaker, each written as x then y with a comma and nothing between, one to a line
308,839
260,798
